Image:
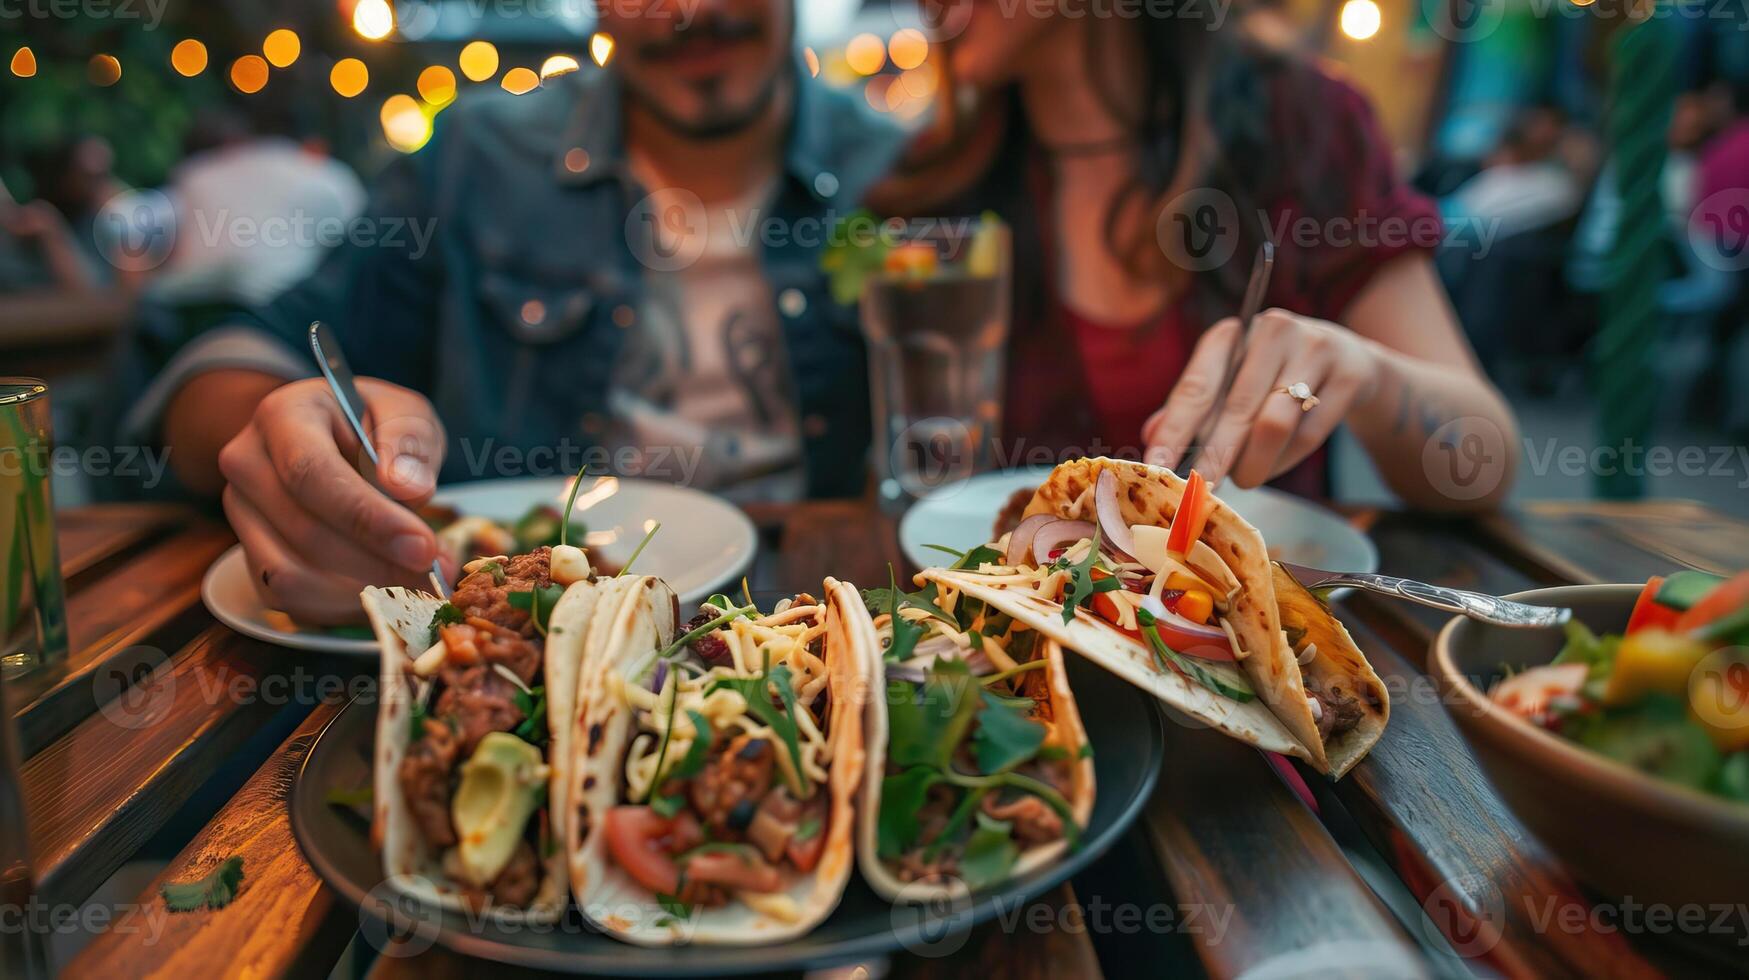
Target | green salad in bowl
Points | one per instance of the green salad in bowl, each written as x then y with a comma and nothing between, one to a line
1669,695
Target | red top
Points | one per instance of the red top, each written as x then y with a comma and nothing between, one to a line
1122,373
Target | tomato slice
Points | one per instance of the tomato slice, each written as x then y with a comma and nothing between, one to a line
1179,639
635,836
1192,514
1648,612
1725,598
805,854
742,868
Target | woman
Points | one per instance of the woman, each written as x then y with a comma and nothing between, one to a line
1142,159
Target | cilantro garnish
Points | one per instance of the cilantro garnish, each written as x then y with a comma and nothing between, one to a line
673,906
214,891
538,602
446,615
807,829
990,853
1005,736
533,705
902,797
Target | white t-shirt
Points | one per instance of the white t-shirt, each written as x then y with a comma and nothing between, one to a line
702,386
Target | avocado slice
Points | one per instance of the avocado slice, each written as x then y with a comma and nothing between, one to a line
500,789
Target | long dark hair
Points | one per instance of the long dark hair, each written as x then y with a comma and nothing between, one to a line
1211,110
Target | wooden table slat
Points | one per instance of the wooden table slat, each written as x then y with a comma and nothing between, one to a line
1241,849
119,622
88,535
98,792
283,922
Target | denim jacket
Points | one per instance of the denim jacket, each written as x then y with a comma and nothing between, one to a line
498,270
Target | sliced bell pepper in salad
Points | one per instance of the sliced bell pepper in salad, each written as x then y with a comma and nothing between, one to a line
1648,612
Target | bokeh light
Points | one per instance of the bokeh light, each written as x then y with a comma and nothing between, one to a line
479,61
520,81
188,57
558,64
865,54
1360,19
601,48
249,74
908,48
373,19
436,85
349,77
24,62
282,48
812,60
405,124
103,70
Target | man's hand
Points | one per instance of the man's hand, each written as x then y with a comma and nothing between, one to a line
316,531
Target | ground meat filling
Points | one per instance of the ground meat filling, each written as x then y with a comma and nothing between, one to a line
474,698
1341,712
425,781
727,791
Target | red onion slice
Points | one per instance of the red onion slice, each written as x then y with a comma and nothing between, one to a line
1115,537
1058,534
1020,540
1181,624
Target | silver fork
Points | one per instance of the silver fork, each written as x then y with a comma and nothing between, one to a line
1476,605
329,358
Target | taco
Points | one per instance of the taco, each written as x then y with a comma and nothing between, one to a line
979,769
469,746
714,799
1159,581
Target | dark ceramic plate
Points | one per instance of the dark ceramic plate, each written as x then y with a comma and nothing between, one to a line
1129,747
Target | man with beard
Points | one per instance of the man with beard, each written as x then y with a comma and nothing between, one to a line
621,266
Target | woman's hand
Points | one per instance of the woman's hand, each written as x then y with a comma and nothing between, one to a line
1260,430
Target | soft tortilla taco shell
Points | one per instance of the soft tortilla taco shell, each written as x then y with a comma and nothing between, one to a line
643,622
1150,495
401,619
1338,668
1064,713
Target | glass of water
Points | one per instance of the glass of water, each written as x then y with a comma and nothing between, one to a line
33,614
936,314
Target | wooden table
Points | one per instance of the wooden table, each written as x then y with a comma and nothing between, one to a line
1410,866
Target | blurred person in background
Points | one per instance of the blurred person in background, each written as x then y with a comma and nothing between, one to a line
253,213
579,267
1125,150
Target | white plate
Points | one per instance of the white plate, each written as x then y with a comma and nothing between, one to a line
705,544
960,516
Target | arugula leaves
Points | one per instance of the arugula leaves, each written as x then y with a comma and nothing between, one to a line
1082,585
446,615
538,602
782,721
214,891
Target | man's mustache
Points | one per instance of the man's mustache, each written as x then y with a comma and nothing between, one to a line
715,27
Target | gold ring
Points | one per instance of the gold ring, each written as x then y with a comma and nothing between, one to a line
1302,391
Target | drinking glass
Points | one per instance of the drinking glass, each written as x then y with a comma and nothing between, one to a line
935,314
33,618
